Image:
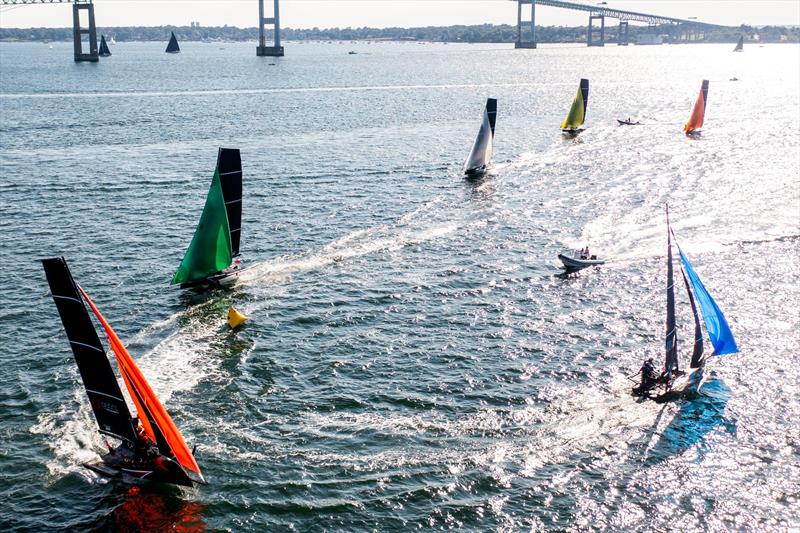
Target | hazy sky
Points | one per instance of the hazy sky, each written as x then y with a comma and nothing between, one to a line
383,13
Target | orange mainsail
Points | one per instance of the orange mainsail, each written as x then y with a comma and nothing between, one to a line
145,399
699,111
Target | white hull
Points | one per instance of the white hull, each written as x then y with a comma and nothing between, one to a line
573,263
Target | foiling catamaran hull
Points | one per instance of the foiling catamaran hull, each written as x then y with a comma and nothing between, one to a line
685,386
225,279
571,134
121,463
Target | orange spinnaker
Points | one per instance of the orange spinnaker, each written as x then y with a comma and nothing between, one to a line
140,389
699,111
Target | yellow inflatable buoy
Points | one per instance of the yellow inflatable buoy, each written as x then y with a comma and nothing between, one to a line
235,318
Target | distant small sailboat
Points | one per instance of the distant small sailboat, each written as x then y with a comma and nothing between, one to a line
172,47
740,45
481,154
577,112
698,113
675,383
211,259
104,51
112,41
152,447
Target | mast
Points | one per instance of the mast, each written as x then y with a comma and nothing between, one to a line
105,396
671,359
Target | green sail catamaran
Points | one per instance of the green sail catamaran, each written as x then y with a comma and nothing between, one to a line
577,113
211,259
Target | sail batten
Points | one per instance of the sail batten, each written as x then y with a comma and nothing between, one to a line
716,325
105,396
699,111
577,112
229,166
671,337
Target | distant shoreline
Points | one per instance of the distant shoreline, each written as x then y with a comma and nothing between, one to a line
485,33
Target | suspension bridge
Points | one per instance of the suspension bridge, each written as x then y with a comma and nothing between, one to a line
85,33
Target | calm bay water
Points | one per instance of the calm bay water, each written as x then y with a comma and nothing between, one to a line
411,361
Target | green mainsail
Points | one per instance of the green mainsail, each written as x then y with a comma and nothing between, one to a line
577,113
210,250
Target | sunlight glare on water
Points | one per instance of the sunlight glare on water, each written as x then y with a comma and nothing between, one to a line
411,359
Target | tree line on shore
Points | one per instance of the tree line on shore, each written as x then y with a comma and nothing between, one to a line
484,33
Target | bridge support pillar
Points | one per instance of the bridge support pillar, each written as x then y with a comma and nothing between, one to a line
520,42
622,34
262,49
78,32
590,35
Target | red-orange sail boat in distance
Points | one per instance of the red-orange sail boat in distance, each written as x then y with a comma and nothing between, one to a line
152,448
699,112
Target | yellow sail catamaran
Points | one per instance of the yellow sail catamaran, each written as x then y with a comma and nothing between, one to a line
577,113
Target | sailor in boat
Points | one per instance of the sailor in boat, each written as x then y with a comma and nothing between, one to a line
649,377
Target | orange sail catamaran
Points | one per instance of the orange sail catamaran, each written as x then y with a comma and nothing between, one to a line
152,448
698,113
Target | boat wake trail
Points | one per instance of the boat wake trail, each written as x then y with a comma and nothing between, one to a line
356,244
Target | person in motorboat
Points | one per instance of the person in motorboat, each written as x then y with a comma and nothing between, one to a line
585,252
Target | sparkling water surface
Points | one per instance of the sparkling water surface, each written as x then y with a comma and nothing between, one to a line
412,359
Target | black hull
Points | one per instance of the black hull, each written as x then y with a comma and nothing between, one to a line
123,464
475,173
685,386
571,134
628,123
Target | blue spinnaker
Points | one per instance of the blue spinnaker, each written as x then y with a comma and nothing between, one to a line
717,326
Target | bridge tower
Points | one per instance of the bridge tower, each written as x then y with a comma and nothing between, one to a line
590,35
622,33
262,49
78,31
520,43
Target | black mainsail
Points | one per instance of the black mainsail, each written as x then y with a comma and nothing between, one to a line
104,51
172,47
105,396
740,45
671,359
229,165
